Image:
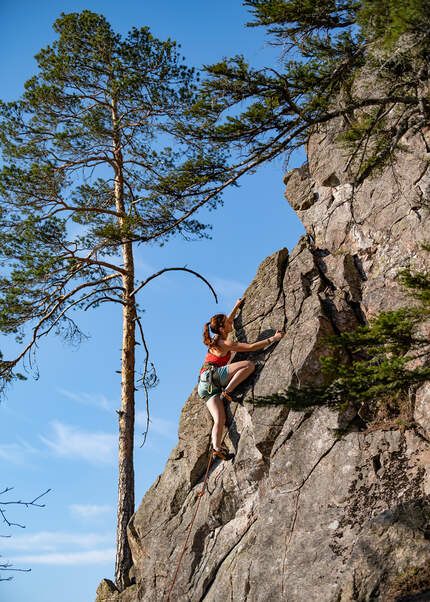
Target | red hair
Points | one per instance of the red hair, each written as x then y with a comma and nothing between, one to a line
216,322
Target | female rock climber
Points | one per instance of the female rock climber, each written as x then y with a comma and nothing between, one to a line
216,375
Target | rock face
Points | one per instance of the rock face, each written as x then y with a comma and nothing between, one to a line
300,514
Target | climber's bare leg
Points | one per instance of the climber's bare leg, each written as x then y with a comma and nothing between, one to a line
216,408
237,372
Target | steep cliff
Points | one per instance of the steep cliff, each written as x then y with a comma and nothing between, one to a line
301,514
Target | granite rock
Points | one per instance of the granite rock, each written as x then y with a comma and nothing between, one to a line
300,514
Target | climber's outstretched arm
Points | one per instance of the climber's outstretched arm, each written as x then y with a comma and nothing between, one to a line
226,345
235,309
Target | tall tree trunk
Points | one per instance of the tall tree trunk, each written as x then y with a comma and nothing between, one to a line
126,414
126,429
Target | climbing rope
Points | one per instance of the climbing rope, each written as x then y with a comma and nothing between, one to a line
200,495
190,527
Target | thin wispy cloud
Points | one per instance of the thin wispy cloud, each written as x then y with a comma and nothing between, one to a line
90,512
163,427
72,442
104,556
96,400
57,548
17,453
47,541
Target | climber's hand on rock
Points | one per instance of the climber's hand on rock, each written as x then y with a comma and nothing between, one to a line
235,309
279,334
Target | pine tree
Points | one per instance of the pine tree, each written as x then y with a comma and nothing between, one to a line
330,51
87,154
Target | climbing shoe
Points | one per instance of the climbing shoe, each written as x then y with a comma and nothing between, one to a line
222,453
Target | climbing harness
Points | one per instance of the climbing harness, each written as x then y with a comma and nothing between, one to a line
213,377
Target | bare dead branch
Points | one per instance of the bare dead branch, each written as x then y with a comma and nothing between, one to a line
7,566
184,269
21,503
145,388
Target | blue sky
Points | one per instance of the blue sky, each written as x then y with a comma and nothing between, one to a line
60,431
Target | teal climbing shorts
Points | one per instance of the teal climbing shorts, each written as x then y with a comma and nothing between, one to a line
220,375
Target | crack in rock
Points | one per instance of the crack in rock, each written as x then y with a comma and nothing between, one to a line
216,568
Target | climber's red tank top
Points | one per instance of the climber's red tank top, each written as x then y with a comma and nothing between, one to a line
216,359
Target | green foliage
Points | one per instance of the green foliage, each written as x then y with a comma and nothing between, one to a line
287,18
386,361
418,284
9,376
359,62
388,20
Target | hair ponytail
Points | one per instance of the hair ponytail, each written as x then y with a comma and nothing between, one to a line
216,322
206,336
